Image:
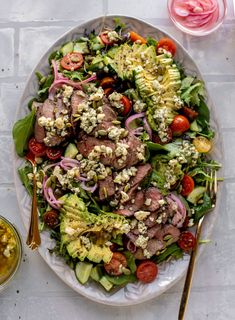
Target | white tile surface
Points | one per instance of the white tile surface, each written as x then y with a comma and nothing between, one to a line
27,28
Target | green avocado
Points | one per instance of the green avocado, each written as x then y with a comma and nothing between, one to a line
71,151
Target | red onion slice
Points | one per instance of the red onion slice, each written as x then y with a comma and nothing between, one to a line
131,246
132,118
90,189
179,217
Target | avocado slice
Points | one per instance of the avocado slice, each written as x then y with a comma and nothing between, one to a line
196,194
71,151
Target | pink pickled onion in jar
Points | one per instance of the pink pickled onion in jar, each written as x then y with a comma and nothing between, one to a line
195,13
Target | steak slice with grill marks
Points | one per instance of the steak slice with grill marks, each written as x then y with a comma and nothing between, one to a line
106,188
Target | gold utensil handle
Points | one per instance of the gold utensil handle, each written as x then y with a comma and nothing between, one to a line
33,239
189,275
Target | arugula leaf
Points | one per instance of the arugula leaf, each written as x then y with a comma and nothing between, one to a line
130,261
118,240
172,251
203,208
121,280
193,91
44,87
151,42
22,131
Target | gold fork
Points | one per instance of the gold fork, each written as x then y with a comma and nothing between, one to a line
212,191
33,239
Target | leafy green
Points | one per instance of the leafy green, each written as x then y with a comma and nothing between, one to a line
73,75
119,26
202,209
22,131
193,91
151,42
118,240
55,55
44,87
130,261
121,280
23,174
173,251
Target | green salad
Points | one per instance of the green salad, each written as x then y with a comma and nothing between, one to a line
121,137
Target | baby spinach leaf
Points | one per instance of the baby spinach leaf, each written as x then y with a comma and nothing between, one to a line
121,280
203,208
22,131
172,251
130,261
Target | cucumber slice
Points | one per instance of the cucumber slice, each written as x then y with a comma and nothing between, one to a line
82,271
106,283
68,47
196,194
81,47
71,151
195,126
95,274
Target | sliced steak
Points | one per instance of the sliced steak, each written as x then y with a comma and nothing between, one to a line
87,143
154,195
143,171
154,231
77,98
124,212
48,109
39,132
136,203
107,122
154,245
134,144
106,188
151,220
171,230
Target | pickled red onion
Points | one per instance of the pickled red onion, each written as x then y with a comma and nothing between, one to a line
196,13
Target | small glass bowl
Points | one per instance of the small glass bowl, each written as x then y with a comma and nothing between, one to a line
6,278
200,31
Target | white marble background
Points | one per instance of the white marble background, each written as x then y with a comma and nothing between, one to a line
27,28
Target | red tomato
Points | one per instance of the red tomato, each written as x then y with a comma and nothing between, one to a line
179,125
72,61
187,185
168,45
105,39
114,267
156,138
147,271
127,105
37,148
54,153
189,113
51,218
186,241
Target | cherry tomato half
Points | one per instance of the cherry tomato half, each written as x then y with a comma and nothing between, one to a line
105,39
147,271
189,113
167,44
127,105
186,241
54,153
202,144
37,148
114,267
187,185
51,218
72,61
107,82
179,125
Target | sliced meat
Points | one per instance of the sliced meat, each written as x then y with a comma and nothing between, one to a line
155,231
143,171
124,212
131,206
135,145
171,230
77,98
132,236
151,220
48,109
106,188
110,116
87,143
154,195
39,132
176,210
154,245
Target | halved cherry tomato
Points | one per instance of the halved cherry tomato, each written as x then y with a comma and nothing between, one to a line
189,113
72,61
167,44
202,144
105,39
147,271
127,105
186,241
187,185
54,153
157,139
136,37
114,267
107,82
37,148
108,91
179,125
51,218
